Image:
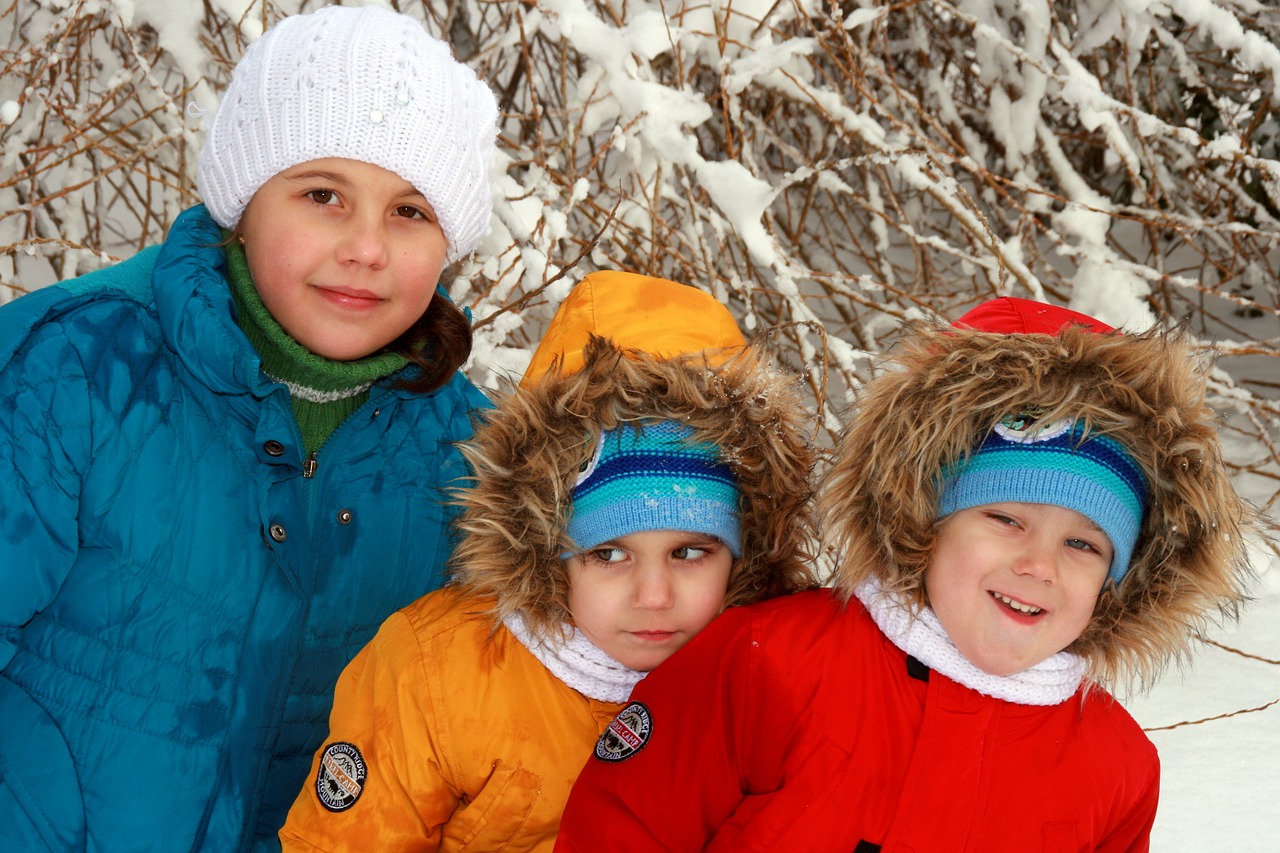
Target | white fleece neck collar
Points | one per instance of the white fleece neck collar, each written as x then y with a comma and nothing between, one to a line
1050,682
577,662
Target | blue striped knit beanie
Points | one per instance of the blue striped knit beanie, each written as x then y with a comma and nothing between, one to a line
652,477
1028,462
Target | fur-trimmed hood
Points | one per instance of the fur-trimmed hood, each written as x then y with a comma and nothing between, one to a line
944,389
527,452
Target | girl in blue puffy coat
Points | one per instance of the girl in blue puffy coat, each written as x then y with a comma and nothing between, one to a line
223,462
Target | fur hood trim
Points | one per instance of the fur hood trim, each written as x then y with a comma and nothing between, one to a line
527,452
943,392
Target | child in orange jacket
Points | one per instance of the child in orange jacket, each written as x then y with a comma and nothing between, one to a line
1024,508
649,472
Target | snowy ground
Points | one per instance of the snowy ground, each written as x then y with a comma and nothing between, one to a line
1220,787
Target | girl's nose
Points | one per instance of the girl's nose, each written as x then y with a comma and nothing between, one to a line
654,589
1037,561
364,242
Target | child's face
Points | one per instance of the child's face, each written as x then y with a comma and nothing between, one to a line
641,597
345,255
1015,583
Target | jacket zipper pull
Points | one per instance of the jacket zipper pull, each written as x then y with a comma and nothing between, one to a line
309,465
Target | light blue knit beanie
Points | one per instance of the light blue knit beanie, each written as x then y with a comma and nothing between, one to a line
1024,461
652,477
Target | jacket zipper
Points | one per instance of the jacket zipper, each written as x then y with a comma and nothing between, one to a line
311,463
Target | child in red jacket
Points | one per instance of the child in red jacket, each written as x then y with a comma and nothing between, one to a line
1026,507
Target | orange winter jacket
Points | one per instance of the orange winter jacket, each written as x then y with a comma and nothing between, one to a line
446,734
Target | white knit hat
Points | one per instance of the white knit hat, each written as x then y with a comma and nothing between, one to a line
365,84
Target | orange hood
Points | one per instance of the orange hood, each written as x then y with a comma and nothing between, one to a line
634,311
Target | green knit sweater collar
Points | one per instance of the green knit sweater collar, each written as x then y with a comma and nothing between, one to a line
323,391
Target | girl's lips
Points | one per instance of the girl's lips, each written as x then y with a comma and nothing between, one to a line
350,297
653,636
1015,609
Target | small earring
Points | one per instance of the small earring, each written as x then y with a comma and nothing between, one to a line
241,239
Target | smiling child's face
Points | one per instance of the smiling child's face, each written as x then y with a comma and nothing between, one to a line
1015,583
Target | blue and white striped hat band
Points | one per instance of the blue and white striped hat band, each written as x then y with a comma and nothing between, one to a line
1024,461
652,477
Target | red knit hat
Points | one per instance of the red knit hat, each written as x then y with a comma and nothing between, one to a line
1011,315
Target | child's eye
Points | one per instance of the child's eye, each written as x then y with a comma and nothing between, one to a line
408,211
1083,545
1003,519
688,552
608,555
323,196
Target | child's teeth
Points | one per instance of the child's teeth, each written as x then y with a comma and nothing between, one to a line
1022,608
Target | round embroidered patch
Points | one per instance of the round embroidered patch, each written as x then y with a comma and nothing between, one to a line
626,735
340,779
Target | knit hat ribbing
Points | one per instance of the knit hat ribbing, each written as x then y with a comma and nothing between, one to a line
363,84
1027,462
652,477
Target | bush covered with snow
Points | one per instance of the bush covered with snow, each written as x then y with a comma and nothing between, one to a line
826,169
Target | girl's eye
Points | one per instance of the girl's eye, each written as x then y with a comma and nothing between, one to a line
408,211
608,555
323,196
1083,545
1002,518
688,552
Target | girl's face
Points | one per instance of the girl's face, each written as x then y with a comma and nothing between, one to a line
642,596
345,255
1015,583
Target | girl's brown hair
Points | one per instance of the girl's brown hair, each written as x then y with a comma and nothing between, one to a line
439,343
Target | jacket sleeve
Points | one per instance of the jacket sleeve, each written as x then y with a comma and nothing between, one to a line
674,765
45,428
379,782
1133,833
44,438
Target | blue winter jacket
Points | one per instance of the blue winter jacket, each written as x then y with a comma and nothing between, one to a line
176,598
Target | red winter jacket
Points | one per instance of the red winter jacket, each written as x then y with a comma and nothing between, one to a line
796,725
